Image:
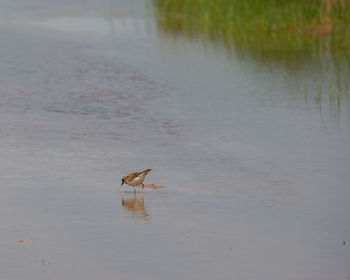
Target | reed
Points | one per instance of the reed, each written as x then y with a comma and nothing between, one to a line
272,30
288,25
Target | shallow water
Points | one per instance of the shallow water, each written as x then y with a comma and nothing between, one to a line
257,174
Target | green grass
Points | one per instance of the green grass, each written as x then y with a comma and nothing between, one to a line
269,25
286,31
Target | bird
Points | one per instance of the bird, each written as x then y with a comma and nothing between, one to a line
135,179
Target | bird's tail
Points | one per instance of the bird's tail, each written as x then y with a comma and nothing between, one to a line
146,171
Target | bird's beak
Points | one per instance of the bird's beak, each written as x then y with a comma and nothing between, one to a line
122,182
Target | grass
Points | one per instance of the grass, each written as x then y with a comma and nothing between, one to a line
268,25
269,31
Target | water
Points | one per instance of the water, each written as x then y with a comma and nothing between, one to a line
257,173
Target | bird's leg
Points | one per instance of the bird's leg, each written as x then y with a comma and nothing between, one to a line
134,189
143,185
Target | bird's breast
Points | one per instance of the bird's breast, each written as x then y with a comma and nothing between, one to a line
139,179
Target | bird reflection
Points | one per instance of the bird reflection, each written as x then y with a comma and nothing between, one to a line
135,205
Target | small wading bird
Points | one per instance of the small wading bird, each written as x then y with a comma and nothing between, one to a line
135,179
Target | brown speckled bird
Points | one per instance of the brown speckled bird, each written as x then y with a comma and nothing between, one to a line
135,179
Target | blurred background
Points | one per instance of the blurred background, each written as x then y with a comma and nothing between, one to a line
241,108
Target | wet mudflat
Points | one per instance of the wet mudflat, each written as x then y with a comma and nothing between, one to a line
255,159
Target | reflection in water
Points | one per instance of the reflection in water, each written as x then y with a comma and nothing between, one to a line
310,40
136,206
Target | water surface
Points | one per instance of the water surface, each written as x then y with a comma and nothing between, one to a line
257,171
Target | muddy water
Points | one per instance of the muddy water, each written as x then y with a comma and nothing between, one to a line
257,177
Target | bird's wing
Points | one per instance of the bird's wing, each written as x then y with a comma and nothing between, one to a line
132,176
